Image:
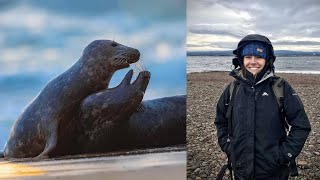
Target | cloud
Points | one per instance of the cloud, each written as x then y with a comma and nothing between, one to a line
220,29
214,46
163,50
286,20
304,43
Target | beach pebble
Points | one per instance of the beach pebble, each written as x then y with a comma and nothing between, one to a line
204,163
203,175
197,170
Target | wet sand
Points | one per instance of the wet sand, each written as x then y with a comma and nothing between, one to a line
149,165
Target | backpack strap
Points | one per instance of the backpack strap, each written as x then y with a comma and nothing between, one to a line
278,90
233,88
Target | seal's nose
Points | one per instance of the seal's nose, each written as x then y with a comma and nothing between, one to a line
136,54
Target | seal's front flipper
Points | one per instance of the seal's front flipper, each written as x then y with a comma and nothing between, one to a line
50,145
1,154
140,108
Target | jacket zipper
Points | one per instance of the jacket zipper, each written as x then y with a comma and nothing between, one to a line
254,116
254,93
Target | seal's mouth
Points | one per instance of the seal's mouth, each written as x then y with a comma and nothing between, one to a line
134,57
127,59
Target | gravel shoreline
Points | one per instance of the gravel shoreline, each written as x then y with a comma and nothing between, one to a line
204,157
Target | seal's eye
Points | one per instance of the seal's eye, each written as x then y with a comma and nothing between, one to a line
114,44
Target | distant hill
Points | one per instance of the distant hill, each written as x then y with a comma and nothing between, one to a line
229,53
209,53
295,53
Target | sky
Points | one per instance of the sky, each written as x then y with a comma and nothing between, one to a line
221,24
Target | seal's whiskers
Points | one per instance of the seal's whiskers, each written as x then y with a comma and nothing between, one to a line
121,60
139,67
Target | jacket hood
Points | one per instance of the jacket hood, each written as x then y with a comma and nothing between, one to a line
255,38
252,38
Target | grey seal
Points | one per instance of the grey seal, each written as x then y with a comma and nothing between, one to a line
50,121
104,113
155,123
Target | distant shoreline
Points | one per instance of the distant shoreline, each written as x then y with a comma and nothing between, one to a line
302,55
276,72
294,64
279,53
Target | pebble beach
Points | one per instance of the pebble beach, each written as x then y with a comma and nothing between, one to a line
204,157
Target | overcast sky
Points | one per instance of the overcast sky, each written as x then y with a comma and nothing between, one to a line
220,25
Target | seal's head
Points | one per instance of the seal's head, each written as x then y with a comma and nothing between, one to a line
110,54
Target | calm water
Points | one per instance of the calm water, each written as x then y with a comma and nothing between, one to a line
307,64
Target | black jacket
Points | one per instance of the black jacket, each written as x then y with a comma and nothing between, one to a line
260,146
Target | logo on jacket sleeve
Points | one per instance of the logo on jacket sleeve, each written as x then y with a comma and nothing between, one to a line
265,94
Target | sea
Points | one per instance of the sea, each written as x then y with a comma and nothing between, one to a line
295,64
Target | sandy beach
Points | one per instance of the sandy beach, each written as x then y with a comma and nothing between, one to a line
204,157
158,163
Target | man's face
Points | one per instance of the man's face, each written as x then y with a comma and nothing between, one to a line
254,64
